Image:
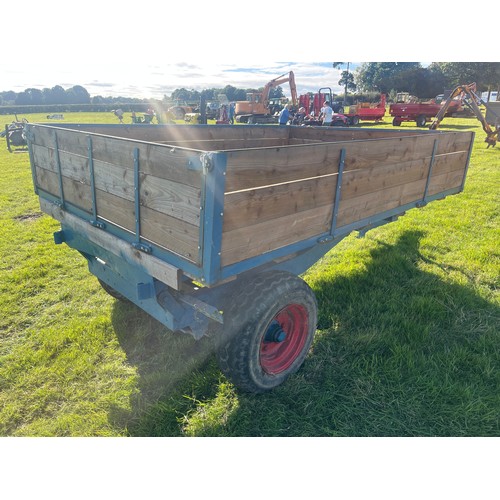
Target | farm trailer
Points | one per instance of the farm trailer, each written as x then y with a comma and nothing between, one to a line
207,228
413,111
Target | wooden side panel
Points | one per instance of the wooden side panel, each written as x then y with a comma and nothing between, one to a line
265,167
170,192
281,182
389,177
280,196
276,197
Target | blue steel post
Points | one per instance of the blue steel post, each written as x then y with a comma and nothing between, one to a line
94,220
429,173
137,203
214,168
59,170
468,161
338,192
29,138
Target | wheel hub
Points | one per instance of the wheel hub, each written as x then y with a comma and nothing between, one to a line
275,333
284,339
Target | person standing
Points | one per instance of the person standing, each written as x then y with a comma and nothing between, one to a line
326,114
232,108
284,115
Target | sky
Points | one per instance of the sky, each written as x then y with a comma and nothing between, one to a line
154,80
151,48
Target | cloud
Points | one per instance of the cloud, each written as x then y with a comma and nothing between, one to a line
147,80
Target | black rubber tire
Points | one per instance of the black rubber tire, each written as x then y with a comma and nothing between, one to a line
396,122
112,291
254,304
355,120
421,121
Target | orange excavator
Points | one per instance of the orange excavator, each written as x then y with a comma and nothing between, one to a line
256,108
470,92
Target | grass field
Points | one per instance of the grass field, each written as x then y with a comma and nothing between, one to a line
408,341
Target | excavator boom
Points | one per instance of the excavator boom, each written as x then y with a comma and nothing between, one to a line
257,108
278,81
491,135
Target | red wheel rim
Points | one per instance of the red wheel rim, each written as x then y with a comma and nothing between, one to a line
276,357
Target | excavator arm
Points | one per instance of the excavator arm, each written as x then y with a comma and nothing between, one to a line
275,83
491,135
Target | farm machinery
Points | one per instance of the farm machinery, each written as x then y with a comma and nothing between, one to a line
208,229
14,135
257,109
469,97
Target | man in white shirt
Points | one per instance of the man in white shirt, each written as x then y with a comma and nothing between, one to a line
326,115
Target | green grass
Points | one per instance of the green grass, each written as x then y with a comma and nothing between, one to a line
408,341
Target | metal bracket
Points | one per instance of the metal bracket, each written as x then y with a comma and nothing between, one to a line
207,161
28,134
98,224
143,247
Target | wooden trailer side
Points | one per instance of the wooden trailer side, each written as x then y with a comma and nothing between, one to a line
280,196
169,191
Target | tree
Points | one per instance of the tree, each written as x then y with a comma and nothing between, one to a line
382,77
234,94
30,96
485,74
185,96
347,80
276,92
55,95
77,95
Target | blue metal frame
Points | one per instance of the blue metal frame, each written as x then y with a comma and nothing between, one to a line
214,168
338,192
59,172
429,173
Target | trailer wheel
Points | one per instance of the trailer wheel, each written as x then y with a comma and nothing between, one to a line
396,122
355,120
269,327
112,291
421,121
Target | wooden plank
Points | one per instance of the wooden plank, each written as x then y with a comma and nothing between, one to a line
175,133
357,183
453,142
360,182
155,159
445,181
450,162
171,233
76,193
174,199
255,168
251,241
334,134
229,144
367,154
361,207
168,232
155,267
245,208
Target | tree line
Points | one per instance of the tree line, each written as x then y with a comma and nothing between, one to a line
423,82
385,77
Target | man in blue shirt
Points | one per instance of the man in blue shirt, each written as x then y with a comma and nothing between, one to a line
284,115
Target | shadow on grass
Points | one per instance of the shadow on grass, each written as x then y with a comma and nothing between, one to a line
399,352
